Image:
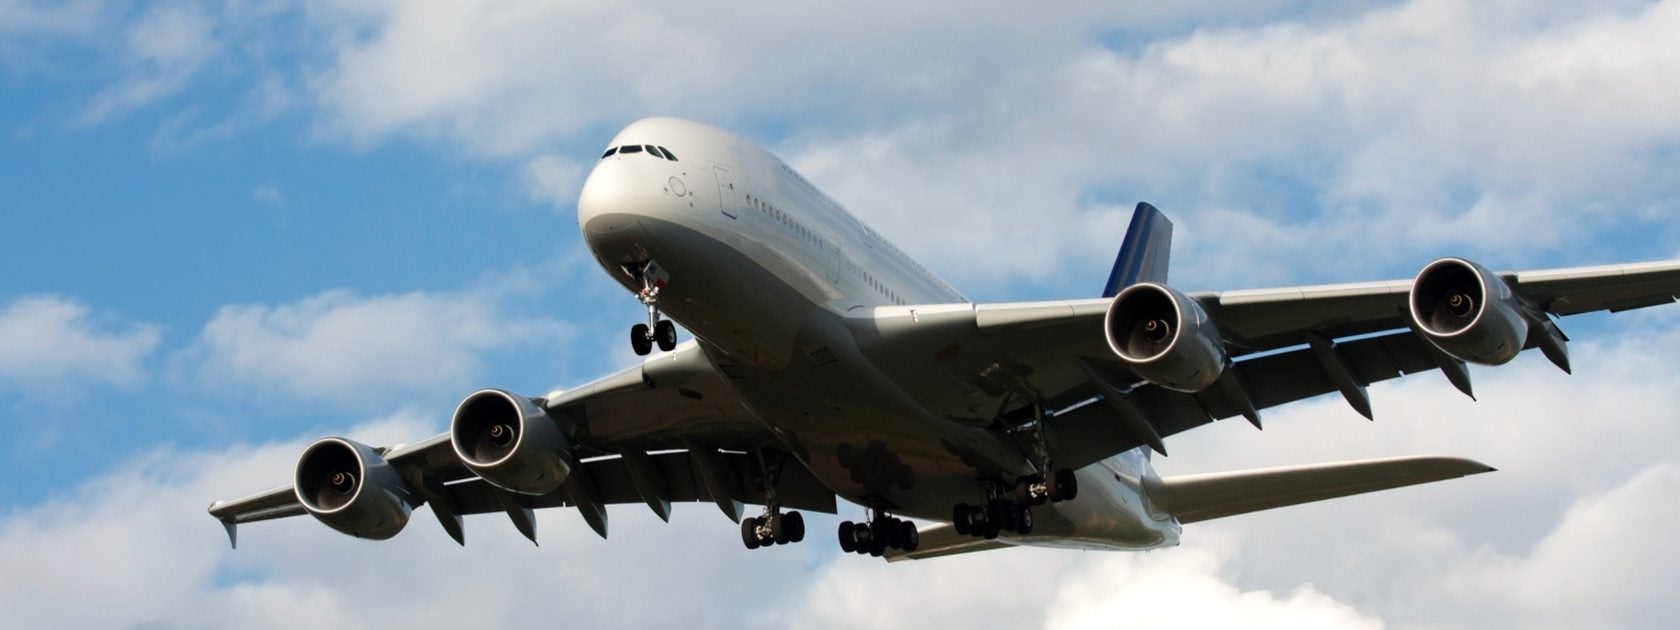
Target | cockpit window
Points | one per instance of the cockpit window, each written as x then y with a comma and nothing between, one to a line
655,151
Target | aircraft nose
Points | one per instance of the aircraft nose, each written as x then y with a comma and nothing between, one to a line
608,200
615,206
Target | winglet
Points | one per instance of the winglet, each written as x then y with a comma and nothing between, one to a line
233,532
1144,252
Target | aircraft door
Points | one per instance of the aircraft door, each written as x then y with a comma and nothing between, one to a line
726,190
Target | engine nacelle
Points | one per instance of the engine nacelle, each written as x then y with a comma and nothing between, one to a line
510,442
351,488
1468,312
1165,337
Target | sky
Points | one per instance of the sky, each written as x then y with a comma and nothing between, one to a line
229,228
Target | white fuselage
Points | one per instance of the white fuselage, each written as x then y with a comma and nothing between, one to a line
768,274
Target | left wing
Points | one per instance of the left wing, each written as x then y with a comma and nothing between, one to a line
668,430
1274,346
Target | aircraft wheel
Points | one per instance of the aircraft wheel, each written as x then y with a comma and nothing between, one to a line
640,341
795,526
1067,485
959,519
1024,520
908,537
749,532
665,333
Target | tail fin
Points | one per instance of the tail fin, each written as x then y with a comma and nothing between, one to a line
1144,253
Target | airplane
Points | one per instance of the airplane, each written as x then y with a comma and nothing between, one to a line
826,364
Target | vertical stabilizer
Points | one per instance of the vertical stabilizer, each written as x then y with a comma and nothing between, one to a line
1144,253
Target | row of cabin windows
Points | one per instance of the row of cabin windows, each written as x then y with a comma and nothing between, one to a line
771,211
658,152
873,237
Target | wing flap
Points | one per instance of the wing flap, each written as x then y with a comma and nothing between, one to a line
799,489
1087,434
1193,498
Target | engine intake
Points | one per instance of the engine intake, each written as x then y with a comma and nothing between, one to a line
510,442
1468,312
1165,337
348,486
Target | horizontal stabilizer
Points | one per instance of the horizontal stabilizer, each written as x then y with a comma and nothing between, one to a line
1194,498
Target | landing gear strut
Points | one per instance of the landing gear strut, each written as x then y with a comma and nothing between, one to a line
881,533
998,512
773,527
656,331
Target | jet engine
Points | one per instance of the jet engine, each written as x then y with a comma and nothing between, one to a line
510,442
1468,312
1165,337
352,489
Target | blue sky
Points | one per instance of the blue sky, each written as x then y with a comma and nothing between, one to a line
228,229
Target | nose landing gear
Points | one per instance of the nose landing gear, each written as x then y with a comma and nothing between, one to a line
657,331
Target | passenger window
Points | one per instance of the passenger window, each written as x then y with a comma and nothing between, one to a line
630,149
609,153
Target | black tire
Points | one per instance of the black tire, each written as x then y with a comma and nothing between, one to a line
879,531
912,538
960,519
778,529
749,532
976,521
1024,522
1067,485
795,526
848,537
665,334
865,540
639,340
992,531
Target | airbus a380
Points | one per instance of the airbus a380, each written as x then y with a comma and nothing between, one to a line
826,364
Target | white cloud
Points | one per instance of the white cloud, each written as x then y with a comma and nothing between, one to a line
553,179
56,343
164,48
27,17
345,348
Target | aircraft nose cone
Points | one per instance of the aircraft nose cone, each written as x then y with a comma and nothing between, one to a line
605,204
612,206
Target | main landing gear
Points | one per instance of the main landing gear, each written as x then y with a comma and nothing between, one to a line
1000,513
772,528
881,533
656,331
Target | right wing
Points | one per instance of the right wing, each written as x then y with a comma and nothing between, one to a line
668,430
